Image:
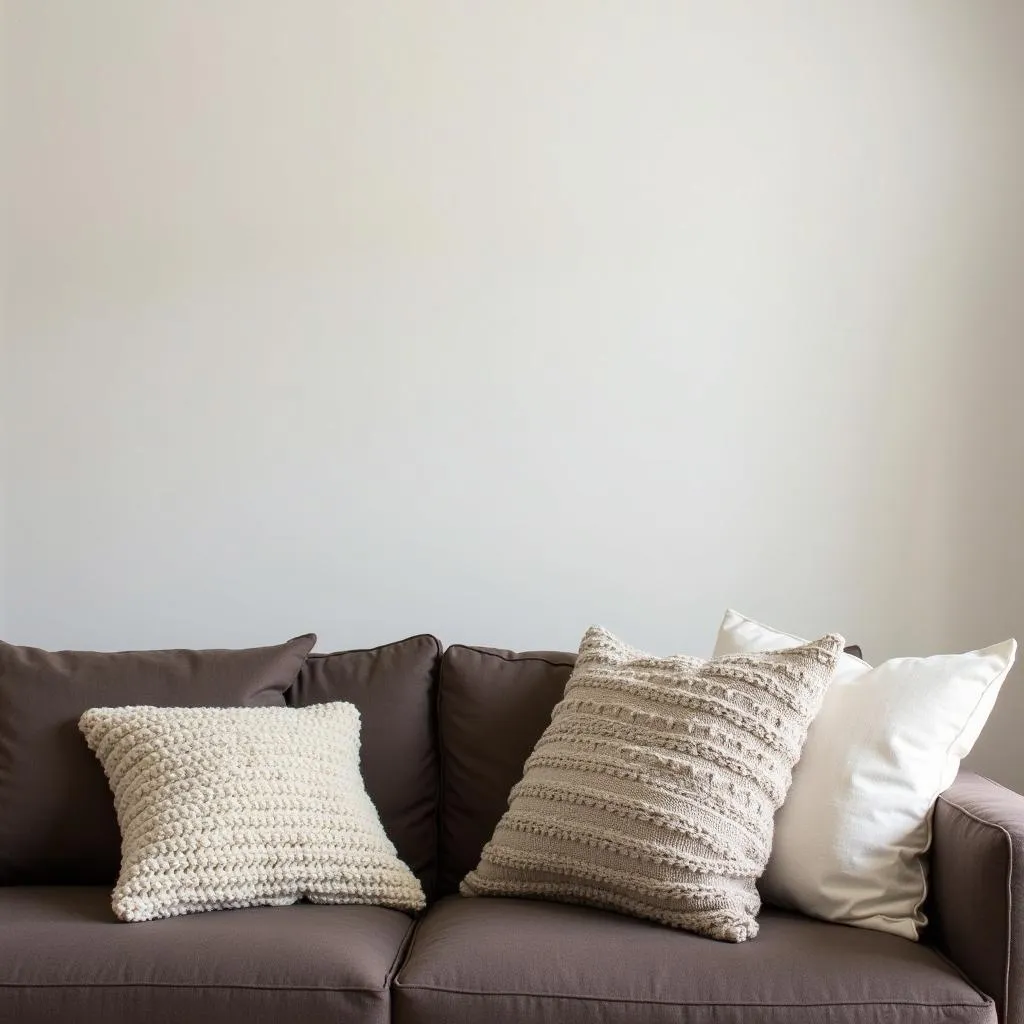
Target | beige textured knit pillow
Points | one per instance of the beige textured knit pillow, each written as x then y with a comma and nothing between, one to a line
243,807
653,789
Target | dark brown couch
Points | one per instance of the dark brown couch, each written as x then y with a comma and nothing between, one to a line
444,739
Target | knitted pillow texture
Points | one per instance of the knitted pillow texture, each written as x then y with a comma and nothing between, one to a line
241,807
653,790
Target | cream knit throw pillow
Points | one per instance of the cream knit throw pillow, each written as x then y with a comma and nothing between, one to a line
654,787
243,807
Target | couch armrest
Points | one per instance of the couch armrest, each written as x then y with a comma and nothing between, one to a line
978,887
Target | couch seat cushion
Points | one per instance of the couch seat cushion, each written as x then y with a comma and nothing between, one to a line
64,957
507,960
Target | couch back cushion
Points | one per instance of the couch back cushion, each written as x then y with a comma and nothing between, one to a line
57,820
493,707
395,689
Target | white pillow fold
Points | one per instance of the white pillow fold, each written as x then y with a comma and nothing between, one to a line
852,837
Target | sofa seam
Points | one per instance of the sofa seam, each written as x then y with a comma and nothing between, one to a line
394,967
502,657
396,980
379,647
442,766
469,992
435,682
181,984
1005,832
986,999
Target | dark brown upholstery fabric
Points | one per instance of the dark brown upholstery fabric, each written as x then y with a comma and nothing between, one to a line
63,957
507,961
493,707
57,821
977,887
395,689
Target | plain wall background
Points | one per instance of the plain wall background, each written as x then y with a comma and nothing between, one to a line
6,206
496,320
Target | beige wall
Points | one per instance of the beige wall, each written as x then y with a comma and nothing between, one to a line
496,319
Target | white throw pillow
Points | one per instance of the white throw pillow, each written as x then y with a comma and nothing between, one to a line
243,807
851,838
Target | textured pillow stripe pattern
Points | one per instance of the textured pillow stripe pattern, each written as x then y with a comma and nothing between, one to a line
237,807
653,789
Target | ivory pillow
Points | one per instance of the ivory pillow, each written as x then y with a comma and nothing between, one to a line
242,807
652,791
851,838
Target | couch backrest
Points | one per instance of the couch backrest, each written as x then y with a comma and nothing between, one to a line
443,740
57,820
395,689
493,706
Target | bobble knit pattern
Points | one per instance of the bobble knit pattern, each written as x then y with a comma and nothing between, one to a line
242,807
653,790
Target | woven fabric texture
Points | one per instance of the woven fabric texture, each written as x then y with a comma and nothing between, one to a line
652,791
239,807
